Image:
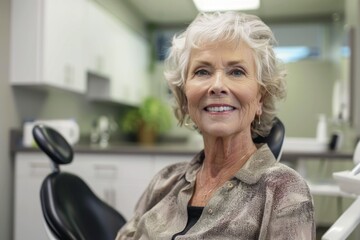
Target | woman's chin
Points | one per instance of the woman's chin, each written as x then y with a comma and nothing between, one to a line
217,132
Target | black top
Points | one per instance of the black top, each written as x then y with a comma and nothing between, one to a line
194,214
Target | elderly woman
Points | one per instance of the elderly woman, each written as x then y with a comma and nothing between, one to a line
226,80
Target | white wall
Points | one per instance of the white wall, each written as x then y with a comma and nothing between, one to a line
309,84
300,34
8,119
352,14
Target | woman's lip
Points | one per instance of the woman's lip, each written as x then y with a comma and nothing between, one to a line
219,105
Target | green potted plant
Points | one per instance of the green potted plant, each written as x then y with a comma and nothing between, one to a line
147,121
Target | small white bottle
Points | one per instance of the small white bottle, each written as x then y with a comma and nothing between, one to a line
321,129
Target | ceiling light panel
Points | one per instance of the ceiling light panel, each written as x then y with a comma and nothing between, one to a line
225,5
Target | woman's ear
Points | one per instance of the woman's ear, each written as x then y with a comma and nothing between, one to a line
259,111
185,109
260,105
185,104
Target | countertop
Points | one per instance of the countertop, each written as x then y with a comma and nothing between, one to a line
116,147
174,149
185,149
119,148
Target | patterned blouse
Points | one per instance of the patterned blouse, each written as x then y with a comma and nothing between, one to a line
264,200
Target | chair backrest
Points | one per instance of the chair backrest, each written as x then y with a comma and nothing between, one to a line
71,210
275,139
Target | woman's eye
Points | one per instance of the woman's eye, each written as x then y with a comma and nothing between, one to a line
237,72
202,72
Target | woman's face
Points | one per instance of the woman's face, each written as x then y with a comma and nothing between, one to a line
222,90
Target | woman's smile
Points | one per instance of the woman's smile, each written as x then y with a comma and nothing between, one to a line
219,108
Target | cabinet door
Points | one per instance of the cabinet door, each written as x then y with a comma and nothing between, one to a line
136,67
30,171
47,43
63,44
25,47
135,173
130,83
99,40
100,172
117,179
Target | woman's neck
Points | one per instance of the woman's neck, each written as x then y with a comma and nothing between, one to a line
225,153
218,167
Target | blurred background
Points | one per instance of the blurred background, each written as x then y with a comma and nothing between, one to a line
86,59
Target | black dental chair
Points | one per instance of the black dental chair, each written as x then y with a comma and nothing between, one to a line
275,139
71,210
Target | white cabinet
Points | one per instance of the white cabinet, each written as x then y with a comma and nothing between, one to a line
100,31
101,175
135,173
130,83
117,179
118,53
29,174
47,47
54,43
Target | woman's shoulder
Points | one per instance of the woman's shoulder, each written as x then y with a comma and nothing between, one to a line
276,170
281,174
172,170
287,186
160,185
180,169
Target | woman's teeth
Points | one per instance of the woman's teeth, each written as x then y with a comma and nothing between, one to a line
219,109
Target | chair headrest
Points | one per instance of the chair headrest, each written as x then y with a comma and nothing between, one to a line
275,138
53,144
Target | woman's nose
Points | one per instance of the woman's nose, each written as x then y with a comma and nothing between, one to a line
218,86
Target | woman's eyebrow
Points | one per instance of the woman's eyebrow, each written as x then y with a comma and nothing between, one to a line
236,62
198,62
201,62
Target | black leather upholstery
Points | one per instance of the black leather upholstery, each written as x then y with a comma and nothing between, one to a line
71,210
275,138
53,144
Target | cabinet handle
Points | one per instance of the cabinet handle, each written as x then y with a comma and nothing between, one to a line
39,169
69,74
99,63
110,197
39,165
100,167
126,91
105,171
113,198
